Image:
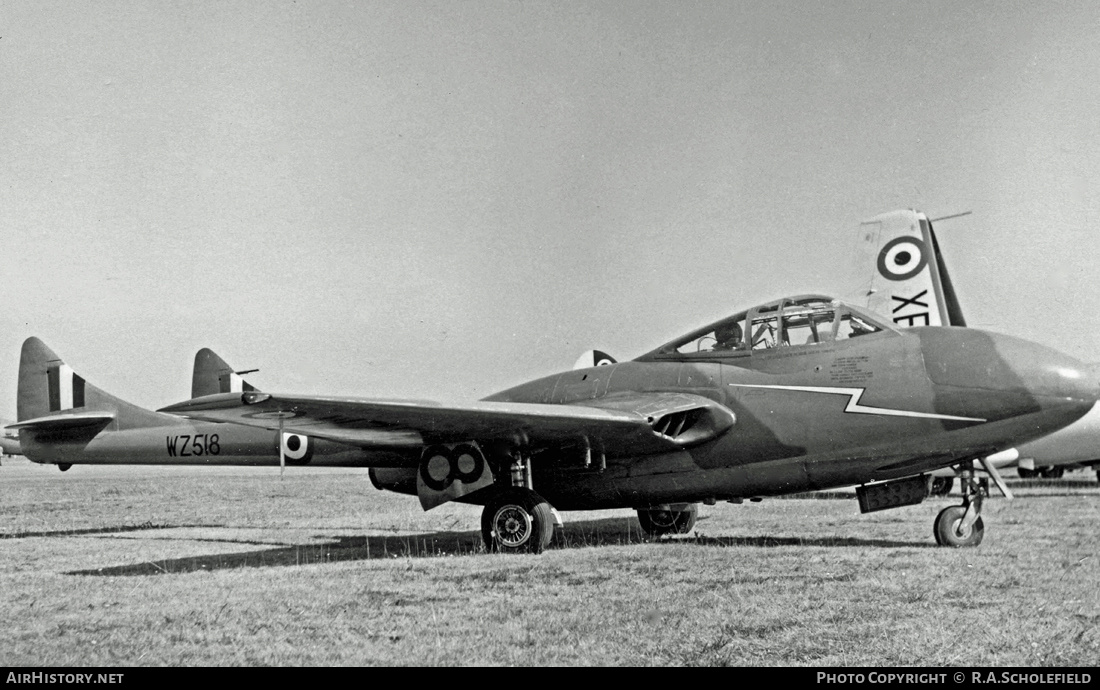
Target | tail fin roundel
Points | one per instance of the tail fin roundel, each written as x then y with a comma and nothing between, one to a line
909,279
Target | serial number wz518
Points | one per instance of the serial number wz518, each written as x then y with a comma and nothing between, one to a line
186,446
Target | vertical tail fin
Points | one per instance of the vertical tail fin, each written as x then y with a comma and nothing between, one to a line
50,388
212,375
909,279
46,384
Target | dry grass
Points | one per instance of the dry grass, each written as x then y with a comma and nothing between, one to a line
220,566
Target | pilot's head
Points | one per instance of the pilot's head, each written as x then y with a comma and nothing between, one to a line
728,336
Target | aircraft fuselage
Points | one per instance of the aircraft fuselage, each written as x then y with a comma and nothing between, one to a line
812,417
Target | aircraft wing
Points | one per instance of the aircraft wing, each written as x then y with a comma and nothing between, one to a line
628,423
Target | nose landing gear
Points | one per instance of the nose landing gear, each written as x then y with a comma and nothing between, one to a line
962,525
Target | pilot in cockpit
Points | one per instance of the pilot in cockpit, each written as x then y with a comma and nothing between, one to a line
728,336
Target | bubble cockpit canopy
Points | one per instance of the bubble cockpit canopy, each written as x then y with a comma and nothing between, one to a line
806,320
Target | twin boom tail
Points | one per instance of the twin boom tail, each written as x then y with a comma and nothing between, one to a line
64,420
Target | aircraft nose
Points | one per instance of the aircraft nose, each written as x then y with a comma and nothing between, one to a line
1044,371
1019,375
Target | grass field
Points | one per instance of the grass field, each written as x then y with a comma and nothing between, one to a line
120,566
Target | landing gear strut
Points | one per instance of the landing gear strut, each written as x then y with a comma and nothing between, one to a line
657,522
962,525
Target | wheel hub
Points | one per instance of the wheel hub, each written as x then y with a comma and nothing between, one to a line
512,525
663,518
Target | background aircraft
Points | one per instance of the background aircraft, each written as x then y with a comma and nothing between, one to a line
816,394
9,442
911,284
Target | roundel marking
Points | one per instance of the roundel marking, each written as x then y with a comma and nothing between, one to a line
273,414
902,258
442,466
467,463
296,449
435,468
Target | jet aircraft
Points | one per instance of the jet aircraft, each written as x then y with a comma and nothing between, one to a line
910,282
797,394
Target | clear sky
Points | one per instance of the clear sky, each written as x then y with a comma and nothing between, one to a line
444,199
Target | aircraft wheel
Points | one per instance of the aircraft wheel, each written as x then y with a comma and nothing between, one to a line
517,521
656,523
941,486
1026,473
64,466
1052,472
946,528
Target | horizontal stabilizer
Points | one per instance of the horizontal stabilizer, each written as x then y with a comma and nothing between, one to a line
60,422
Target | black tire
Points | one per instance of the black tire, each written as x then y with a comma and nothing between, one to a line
941,486
1026,473
1052,472
517,521
64,466
944,528
658,523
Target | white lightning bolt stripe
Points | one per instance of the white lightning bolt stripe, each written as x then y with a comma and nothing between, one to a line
854,394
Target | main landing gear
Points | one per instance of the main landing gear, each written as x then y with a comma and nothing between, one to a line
677,519
515,518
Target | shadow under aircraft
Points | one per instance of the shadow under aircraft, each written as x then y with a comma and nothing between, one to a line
798,394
